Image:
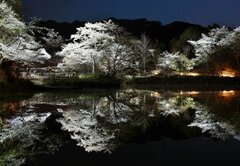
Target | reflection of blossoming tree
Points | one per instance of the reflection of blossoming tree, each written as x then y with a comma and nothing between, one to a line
101,123
87,131
208,123
21,133
204,120
114,111
176,105
113,119
90,126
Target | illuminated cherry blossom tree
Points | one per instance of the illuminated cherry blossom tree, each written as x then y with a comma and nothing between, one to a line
116,59
175,62
15,43
47,37
88,44
209,43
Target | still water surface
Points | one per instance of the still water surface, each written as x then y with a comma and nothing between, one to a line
124,127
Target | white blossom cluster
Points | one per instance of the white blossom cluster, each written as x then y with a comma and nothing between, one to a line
15,43
87,44
208,43
96,44
86,130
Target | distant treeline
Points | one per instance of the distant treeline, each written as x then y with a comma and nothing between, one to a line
164,36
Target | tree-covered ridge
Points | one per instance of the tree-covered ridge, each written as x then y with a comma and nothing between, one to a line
164,36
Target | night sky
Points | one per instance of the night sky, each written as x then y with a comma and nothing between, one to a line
204,12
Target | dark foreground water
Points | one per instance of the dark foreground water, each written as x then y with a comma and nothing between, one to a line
124,127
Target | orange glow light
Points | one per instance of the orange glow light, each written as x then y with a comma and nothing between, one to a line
227,73
225,93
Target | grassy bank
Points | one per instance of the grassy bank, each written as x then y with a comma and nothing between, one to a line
104,82
86,81
16,85
186,82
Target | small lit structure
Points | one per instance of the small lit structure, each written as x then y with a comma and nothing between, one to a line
155,94
228,73
155,72
191,93
194,74
227,94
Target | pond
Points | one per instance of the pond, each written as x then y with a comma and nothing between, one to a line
120,127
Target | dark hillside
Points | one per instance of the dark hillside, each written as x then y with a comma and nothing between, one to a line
158,33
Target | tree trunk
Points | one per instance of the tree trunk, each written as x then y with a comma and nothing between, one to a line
93,68
109,68
144,65
236,57
93,64
114,68
1,60
94,106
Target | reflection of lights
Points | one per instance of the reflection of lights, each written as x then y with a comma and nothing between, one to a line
190,74
227,73
193,93
11,106
225,93
155,94
189,93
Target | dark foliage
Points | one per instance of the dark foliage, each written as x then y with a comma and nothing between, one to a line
187,82
160,34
